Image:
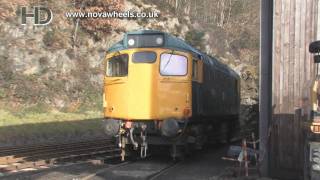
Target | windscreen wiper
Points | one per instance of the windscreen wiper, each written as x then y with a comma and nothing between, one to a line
168,60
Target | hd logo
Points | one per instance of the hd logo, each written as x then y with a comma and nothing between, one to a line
36,15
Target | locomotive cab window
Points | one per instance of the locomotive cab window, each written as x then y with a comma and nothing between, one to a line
117,66
144,57
194,69
173,65
197,70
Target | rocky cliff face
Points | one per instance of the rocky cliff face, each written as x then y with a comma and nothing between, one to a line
59,67
46,65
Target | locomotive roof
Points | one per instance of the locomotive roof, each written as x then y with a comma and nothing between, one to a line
172,42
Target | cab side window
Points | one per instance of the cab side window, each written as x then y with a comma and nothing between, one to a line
195,70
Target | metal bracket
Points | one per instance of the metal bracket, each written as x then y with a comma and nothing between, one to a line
135,144
144,144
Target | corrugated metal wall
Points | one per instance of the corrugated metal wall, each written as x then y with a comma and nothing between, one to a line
294,27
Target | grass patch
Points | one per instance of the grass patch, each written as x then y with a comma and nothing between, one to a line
9,119
54,126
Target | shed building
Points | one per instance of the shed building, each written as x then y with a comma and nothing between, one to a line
286,73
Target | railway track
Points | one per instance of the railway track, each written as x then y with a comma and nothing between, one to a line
157,174
152,168
13,159
25,158
163,171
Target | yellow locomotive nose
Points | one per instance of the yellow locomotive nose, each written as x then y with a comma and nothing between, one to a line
142,90
138,90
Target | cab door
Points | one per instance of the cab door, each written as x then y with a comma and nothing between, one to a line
116,86
174,85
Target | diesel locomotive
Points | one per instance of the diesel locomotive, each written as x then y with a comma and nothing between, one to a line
159,90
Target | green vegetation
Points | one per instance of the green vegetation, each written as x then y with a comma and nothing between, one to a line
44,127
33,126
28,117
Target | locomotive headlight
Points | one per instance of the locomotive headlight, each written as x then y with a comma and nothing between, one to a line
159,40
131,42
